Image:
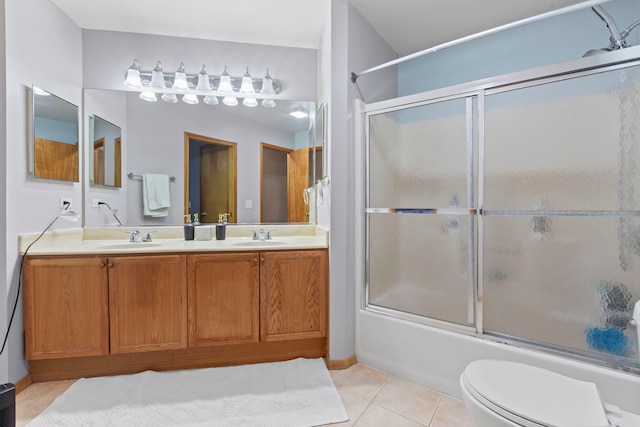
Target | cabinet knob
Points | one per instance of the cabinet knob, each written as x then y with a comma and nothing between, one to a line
102,264
110,265
262,259
255,259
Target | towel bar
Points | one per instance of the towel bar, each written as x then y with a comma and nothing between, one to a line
131,175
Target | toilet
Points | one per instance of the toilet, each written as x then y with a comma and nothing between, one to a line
500,393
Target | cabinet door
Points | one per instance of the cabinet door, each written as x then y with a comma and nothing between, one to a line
148,303
293,295
223,299
65,307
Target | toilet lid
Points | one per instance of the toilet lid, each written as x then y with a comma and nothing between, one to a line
536,395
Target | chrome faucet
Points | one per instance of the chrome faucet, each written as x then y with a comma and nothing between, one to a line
261,235
136,236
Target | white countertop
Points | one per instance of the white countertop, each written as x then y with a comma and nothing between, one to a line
115,240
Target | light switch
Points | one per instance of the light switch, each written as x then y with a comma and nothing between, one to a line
248,204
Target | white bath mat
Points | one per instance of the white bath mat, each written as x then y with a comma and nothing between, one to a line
295,393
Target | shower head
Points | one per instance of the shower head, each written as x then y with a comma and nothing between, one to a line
617,39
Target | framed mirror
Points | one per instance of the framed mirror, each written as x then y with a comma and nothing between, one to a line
105,153
55,135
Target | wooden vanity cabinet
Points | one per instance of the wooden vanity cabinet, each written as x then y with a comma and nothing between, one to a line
66,312
96,315
147,303
293,295
224,297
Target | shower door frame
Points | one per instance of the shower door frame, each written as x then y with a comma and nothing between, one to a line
479,89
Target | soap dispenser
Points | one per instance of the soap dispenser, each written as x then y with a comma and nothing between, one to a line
221,227
188,228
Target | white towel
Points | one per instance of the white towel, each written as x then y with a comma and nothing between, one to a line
156,199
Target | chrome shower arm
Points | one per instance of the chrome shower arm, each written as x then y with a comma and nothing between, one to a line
617,41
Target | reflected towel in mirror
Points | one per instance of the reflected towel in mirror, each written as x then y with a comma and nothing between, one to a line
156,199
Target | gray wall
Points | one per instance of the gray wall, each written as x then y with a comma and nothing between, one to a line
354,45
43,48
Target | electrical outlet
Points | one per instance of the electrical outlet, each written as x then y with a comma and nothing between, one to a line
95,203
64,201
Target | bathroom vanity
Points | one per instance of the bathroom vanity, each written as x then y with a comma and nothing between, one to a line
103,306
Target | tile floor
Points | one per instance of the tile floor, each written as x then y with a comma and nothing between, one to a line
372,399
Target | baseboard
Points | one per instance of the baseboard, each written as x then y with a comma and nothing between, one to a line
23,383
342,364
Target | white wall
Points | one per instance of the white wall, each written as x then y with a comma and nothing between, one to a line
43,48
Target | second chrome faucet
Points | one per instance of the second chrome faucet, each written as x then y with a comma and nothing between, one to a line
262,235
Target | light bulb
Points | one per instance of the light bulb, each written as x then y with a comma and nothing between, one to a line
250,102
171,98
180,79
225,82
132,80
211,100
231,101
157,77
267,89
148,96
190,98
203,81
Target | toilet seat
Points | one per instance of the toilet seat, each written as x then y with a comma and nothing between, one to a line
534,397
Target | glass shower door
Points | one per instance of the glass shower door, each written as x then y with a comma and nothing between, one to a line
562,221
420,211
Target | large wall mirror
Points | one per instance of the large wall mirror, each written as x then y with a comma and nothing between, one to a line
178,139
54,147
105,152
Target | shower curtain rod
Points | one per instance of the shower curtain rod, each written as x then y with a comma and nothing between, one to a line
550,14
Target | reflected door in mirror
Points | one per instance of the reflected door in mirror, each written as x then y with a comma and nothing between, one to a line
55,137
106,161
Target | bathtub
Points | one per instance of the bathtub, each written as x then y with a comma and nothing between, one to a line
435,358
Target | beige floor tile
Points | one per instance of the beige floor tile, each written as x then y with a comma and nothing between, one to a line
354,405
377,416
361,380
36,398
409,400
452,413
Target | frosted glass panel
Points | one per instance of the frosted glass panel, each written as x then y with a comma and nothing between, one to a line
566,281
566,145
419,264
418,157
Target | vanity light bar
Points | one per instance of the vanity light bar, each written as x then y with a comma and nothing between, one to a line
192,80
190,85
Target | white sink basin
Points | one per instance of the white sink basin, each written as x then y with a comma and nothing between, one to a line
251,243
130,245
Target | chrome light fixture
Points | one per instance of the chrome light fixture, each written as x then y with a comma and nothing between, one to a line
180,80
133,79
155,82
227,89
247,91
268,91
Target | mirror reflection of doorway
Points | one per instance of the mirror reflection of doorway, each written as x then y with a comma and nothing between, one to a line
210,178
98,162
273,183
284,177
